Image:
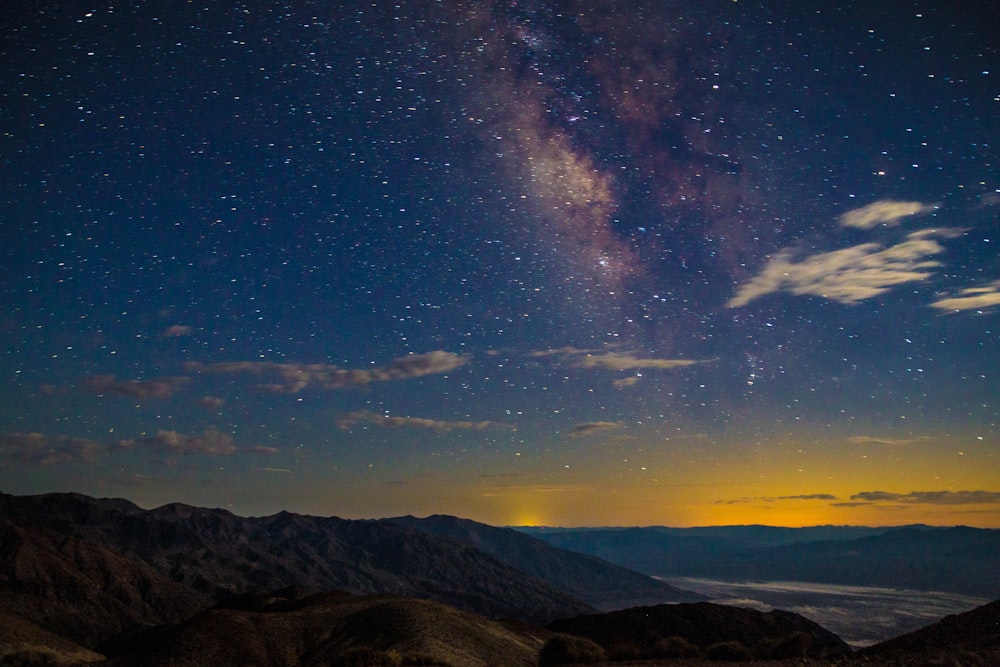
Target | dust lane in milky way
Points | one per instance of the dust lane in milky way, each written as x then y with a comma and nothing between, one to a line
524,262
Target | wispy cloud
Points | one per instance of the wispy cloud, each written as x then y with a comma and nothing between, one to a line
211,402
352,419
771,499
621,361
849,275
930,497
566,351
883,212
176,331
291,378
212,442
590,428
39,449
108,384
971,298
892,442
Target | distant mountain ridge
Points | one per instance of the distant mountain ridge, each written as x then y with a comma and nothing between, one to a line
916,557
180,559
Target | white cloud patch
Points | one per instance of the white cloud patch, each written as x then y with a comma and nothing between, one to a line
621,361
849,275
360,417
291,378
883,212
971,298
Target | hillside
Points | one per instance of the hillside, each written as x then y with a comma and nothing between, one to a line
286,629
699,629
969,638
593,580
182,559
121,565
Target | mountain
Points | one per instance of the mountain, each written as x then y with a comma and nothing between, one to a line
971,638
25,643
82,591
85,580
107,564
703,629
595,581
915,557
288,629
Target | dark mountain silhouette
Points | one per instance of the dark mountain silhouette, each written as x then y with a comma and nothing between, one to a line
287,629
82,591
162,565
84,578
971,638
25,643
701,629
129,565
595,581
916,557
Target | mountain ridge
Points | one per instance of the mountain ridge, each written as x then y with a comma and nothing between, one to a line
197,557
172,585
915,556
588,578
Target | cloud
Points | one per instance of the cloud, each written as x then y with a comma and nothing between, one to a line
566,351
352,419
212,442
109,384
211,402
771,499
293,378
884,211
930,497
849,275
620,361
892,442
39,449
589,428
176,331
971,298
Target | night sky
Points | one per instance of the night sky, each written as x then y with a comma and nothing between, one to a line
563,263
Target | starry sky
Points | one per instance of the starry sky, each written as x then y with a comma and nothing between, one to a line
526,262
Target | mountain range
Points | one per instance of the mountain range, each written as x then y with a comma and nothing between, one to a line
913,557
103,581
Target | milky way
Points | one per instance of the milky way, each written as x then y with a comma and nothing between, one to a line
558,262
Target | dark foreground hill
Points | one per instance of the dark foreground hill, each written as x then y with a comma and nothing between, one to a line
704,630
286,630
972,638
